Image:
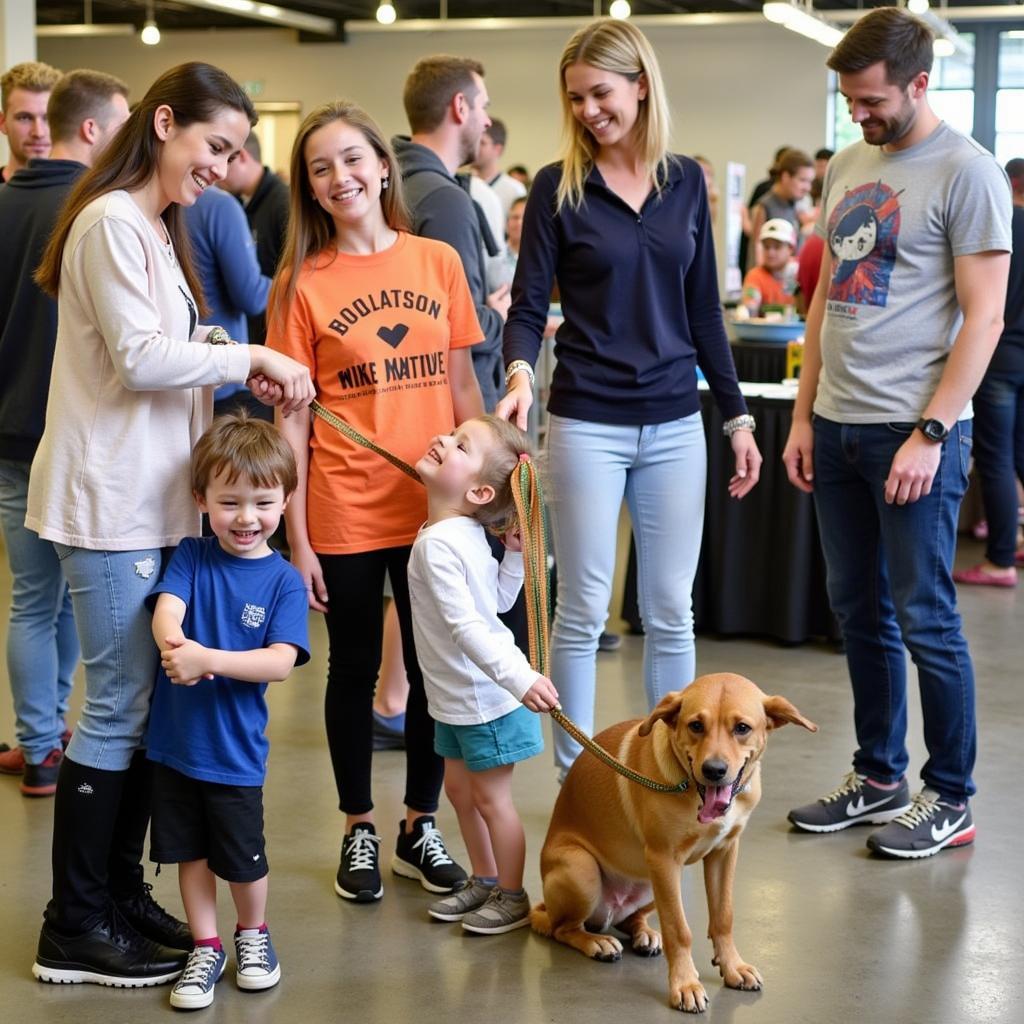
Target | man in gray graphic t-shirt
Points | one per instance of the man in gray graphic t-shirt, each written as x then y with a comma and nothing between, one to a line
906,315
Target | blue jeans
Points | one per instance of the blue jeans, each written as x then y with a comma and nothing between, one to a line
108,591
890,583
42,649
999,456
661,470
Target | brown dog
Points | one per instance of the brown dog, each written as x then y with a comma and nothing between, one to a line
614,851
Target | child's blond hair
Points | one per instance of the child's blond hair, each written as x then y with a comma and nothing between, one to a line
241,445
499,514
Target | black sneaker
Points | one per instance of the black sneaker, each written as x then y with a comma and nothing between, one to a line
609,642
421,854
111,953
929,826
148,918
853,802
41,779
359,872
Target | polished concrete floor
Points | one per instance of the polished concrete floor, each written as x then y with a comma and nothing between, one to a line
839,936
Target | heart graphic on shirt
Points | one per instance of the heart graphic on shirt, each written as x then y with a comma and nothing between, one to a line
393,335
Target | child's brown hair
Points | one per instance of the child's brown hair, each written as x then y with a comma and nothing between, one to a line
245,446
499,514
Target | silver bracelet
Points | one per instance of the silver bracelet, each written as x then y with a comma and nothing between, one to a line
218,336
744,422
517,366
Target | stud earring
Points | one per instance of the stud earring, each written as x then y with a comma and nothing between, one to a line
384,184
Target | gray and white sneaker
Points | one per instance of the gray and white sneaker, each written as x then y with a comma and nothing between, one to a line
501,912
853,802
929,826
472,895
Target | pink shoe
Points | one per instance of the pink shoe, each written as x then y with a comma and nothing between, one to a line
980,576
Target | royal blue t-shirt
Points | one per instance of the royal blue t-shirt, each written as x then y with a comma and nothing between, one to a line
214,731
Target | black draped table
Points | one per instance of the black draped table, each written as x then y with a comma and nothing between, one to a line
761,570
758,360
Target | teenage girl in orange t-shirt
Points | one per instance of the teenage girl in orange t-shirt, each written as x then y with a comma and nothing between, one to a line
384,320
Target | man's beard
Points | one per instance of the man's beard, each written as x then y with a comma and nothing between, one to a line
893,129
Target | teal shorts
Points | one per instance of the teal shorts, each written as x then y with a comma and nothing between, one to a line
513,737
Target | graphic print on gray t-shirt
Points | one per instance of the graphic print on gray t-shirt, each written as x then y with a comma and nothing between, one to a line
894,224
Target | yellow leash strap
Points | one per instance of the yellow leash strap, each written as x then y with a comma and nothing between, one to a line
529,501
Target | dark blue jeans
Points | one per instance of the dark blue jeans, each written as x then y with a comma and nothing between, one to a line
999,456
890,583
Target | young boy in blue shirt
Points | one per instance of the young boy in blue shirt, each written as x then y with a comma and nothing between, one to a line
230,614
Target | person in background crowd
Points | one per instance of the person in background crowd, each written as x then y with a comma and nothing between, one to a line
488,166
24,92
709,183
109,487
521,174
821,159
773,281
264,196
999,422
641,311
747,211
84,112
446,103
795,174
234,288
352,270
907,312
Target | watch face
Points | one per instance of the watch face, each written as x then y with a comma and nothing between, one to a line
934,430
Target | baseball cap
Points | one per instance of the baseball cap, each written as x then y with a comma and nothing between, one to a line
779,229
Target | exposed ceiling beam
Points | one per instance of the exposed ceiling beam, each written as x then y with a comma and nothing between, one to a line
269,14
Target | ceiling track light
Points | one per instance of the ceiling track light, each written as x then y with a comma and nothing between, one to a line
620,9
150,34
800,18
386,13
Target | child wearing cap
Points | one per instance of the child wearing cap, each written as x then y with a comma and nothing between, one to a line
773,282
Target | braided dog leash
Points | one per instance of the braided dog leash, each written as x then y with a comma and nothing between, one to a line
529,501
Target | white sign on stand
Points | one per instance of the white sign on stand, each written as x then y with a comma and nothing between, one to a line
735,181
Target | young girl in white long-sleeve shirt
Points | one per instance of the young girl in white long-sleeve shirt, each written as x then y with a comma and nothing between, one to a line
480,687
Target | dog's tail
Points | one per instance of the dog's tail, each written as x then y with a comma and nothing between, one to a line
539,920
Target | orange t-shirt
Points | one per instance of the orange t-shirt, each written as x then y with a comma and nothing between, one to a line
375,332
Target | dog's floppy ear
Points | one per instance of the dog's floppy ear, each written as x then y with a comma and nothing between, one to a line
667,710
780,711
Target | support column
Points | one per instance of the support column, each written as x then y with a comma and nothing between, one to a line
17,42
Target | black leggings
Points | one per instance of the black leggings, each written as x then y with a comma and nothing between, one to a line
355,630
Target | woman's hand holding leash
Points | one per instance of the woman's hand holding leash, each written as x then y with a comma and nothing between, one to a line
280,371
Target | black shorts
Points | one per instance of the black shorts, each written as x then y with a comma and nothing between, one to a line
196,820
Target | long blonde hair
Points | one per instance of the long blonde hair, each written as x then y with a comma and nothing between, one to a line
310,227
619,46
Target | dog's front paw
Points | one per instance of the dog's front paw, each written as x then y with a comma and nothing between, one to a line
742,976
690,998
646,942
605,948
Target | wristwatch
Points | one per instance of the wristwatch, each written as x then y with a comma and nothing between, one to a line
934,430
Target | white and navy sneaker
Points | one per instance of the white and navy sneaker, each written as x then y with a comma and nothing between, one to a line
358,875
194,989
256,965
853,802
929,826
421,854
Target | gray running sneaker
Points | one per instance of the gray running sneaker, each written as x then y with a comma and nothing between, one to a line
930,825
501,912
471,895
852,802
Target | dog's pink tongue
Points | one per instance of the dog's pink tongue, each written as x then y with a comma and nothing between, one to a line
716,803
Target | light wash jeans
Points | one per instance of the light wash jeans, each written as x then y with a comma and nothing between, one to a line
109,591
661,470
42,648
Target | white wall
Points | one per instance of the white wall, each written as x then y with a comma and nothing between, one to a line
737,92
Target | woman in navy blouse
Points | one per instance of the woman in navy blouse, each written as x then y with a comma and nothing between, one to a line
624,227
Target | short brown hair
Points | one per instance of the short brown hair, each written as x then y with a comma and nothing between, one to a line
241,445
889,34
30,75
497,132
432,84
499,514
791,161
79,95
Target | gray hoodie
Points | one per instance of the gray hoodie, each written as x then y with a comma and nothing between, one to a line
442,209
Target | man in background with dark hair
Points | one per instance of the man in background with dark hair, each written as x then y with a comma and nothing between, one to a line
821,159
85,110
265,198
488,166
1015,172
904,319
446,103
24,91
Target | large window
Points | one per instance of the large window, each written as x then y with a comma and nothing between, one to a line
1010,97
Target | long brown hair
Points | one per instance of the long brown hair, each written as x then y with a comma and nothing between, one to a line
195,92
310,227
